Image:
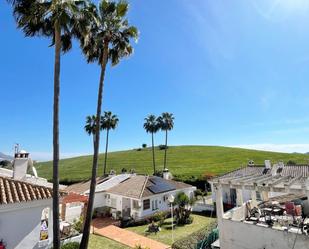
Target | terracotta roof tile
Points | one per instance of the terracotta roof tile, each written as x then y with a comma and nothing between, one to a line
13,191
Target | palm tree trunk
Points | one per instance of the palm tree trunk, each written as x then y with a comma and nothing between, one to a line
165,149
86,231
153,154
106,147
56,232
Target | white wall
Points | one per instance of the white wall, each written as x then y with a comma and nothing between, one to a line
99,200
20,224
163,205
73,211
239,235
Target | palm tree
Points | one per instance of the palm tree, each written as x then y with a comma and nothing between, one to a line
108,121
166,122
59,21
90,126
151,125
108,39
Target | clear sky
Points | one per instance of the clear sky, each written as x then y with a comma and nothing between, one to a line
232,72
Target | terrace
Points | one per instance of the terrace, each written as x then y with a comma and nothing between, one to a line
281,217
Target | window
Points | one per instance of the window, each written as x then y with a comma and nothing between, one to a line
146,204
154,204
135,204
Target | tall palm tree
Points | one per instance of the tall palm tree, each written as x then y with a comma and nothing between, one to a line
151,125
108,121
90,125
108,39
58,20
166,121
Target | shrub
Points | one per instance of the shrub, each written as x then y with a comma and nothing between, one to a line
144,146
198,192
70,245
191,241
162,147
123,170
159,217
158,173
139,149
291,162
78,225
132,223
140,247
183,211
102,212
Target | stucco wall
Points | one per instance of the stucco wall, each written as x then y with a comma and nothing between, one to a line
163,205
238,235
20,224
99,200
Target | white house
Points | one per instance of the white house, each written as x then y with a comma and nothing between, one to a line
229,194
279,221
141,196
103,183
25,214
132,195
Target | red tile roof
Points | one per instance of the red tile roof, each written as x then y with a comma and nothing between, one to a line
13,191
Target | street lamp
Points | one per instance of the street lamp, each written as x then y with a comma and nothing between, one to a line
171,200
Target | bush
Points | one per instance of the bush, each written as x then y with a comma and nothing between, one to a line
132,223
162,147
158,173
70,245
160,217
191,241
291,162
144,146
123,170
198,182
102,212
139,149
78,225
140,247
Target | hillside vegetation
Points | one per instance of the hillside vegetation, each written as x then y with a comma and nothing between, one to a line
181,160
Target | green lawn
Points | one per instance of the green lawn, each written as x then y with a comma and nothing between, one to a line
165,235
99,242
181,160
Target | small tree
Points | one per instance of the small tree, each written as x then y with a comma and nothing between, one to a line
183,211
144,146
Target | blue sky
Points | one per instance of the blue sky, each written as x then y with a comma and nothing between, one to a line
232,72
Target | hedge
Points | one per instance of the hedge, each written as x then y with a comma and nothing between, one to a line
191,241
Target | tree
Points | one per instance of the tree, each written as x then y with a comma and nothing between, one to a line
91,125
108,121
183,210
166,123
108,39
151,125
59,21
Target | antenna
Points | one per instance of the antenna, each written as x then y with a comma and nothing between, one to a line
16,148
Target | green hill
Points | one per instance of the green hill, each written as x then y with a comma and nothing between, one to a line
181,160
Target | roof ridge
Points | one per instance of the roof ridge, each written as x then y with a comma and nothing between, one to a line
23,182
144,186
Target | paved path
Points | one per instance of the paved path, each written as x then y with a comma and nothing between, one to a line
128,238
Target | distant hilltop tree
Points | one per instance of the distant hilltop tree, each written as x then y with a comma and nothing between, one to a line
291,162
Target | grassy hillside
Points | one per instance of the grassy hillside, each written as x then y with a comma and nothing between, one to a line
181,160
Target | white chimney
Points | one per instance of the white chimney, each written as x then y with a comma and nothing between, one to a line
167,175
20,164
267,164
